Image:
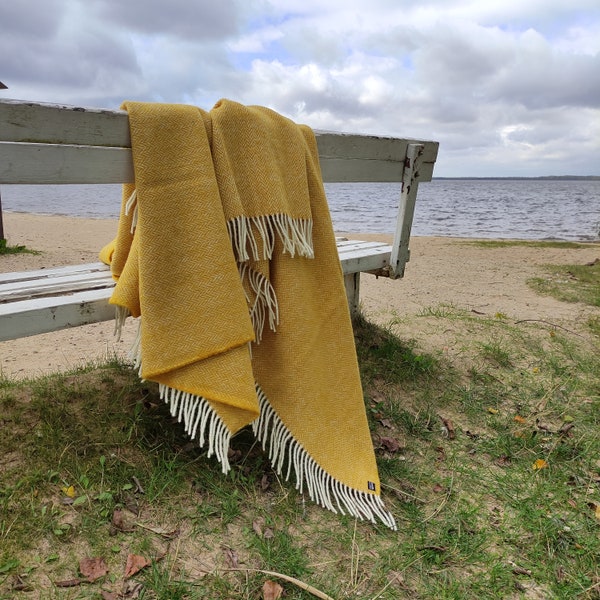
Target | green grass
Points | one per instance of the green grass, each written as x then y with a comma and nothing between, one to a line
6,249
489,459
570,283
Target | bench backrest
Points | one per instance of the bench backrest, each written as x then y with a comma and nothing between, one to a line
51,144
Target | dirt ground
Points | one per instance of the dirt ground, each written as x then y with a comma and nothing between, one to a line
442,271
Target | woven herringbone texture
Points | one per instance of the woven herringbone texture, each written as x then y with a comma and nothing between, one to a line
233,243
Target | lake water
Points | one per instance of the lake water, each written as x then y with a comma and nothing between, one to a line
482,208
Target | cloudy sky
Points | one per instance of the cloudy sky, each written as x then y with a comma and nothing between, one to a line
508,87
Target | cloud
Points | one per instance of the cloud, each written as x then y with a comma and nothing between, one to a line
24,18
184,19
505,86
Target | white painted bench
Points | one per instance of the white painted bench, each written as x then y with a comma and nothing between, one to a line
52,144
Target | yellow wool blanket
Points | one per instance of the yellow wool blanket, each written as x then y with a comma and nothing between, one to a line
226,252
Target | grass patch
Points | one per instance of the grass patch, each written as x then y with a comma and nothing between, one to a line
6,249
570,283
490,465
593,324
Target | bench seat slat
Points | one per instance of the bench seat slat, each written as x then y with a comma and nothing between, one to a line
50,286
53,272
350,245
43,315
50,299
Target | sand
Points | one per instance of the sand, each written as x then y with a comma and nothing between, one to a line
442,271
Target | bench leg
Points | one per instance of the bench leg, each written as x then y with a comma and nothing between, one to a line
352,283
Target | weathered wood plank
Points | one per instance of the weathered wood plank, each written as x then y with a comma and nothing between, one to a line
23,290
408,198
37,122
60,164
345,245
53,272
55,164
45,123
344,157
51,299
43,315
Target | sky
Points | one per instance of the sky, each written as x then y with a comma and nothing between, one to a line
507,87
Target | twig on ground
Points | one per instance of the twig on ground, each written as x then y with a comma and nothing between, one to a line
590,589
442,503
297,582
551,325
403,492
541,405
354,559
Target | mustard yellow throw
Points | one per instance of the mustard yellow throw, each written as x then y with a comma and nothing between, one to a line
226,252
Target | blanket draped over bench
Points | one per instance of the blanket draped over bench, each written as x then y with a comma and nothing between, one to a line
226,251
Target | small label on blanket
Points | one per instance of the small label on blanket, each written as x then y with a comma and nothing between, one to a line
371,485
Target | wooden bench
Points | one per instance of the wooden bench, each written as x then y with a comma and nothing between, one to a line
54,144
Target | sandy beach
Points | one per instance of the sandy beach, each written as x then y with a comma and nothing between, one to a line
442,271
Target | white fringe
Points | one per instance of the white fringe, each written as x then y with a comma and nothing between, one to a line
121,314
203,423
132,203
295,235
265,301
200,422
322,488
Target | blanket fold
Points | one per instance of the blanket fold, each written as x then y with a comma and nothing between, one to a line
226,252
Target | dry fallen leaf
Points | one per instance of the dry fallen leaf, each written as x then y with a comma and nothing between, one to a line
135,563
566,428
396,579
377,397
519,419
231,558
68,583
20,585
448,428
257,526
165,533
596,508
390,444
517,570
503,461
265,483
93,568
271,590
130,591
138,486
69,491
120,522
